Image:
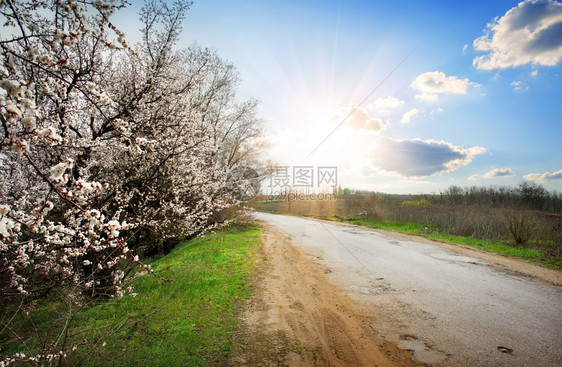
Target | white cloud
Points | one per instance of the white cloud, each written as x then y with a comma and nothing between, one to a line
530,33
360,119
417,113
498,172
384,105
427,97
436,111
544,177
407,117
534,73
420,158
464,47
516,84
433,83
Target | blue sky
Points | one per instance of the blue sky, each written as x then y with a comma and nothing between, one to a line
478,102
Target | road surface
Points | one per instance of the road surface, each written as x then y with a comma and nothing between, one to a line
450,309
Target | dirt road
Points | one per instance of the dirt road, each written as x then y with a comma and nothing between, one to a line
298,318
450,306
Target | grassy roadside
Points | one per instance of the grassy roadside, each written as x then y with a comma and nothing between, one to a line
187,322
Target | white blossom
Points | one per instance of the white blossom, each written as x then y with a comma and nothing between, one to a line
100,140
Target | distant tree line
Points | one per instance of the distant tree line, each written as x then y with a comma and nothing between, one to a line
527,195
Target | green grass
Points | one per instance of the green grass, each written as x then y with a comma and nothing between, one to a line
186,322
525,253
409,228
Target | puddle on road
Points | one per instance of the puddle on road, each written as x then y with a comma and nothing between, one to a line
456,258
422,353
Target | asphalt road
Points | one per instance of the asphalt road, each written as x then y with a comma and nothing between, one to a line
449,308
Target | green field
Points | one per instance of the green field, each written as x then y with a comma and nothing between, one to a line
185,322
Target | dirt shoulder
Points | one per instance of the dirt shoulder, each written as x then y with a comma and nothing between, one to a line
297,318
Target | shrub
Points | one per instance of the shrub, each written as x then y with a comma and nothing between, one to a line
522,226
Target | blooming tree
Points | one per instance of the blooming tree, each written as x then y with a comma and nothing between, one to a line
189,129
105,148
108,151
53,113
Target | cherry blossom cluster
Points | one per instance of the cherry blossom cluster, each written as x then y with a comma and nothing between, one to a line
41,358
108,152
51,222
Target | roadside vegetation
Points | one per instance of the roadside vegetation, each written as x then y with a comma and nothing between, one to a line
523,221
186,320
110,154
